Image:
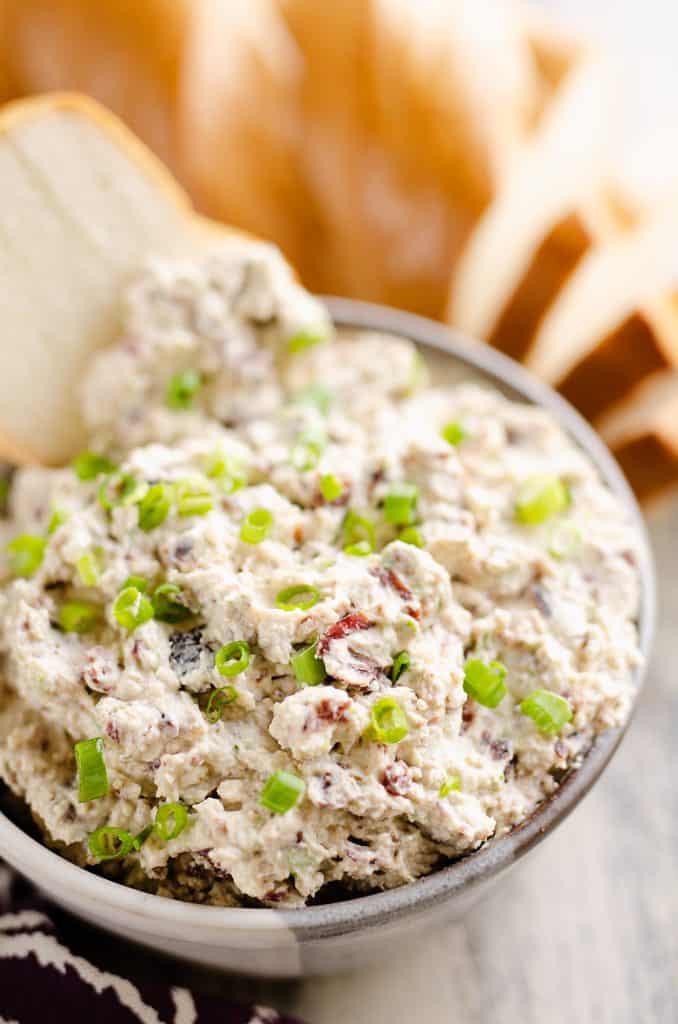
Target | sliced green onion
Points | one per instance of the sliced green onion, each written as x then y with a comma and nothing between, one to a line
308,668
281,792
485,682
109,843
317,395
226,470
453,433
5,488
331,487
304,339
92,777
539,498
356,528
165,607
411,535
154,507
299,596
26,553
121,489
136,581
88,567
57,519
78,617
170,821
233,658
132,609
182,389
549,711
141,837
307,450
418,373
451,784
400,504
388,721
218,700
90,465
256,526
193,498
401,663
359,550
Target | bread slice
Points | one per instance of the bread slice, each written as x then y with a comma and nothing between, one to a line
531,236
85,203
614,322
126,55
643,433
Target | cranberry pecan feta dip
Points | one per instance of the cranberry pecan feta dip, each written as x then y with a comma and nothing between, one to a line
295,618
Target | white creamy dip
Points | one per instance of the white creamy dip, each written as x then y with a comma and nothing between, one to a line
444,545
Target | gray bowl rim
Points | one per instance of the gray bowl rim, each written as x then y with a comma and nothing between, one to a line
477,868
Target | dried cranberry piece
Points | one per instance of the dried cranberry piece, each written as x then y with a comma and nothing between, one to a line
351,623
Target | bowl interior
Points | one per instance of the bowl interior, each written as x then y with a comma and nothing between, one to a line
452,359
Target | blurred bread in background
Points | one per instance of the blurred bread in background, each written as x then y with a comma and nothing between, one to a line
448,157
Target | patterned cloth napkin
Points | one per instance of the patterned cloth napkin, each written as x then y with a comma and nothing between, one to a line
51,971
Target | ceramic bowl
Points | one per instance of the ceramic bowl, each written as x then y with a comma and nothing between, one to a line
328,938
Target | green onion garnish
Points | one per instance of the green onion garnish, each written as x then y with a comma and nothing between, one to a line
109,843
360,549
233,658
88,567
453,433
401,663
154,507
5,488
141,837
131,608
226,470
170,821
358,528
193,498
317,395
331,487
308,668
451,784
78,617
485,682
549,711
411,535
26,553
400,504
90,465
388,721
165,607
539,498
92,777
218,700
256,526
57,519
304,339
121,489
299,596
281,792
182,389
136,581
307,450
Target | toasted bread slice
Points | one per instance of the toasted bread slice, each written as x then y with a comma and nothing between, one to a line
126,55
85,203
643,433
239,119
560,170
614,322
